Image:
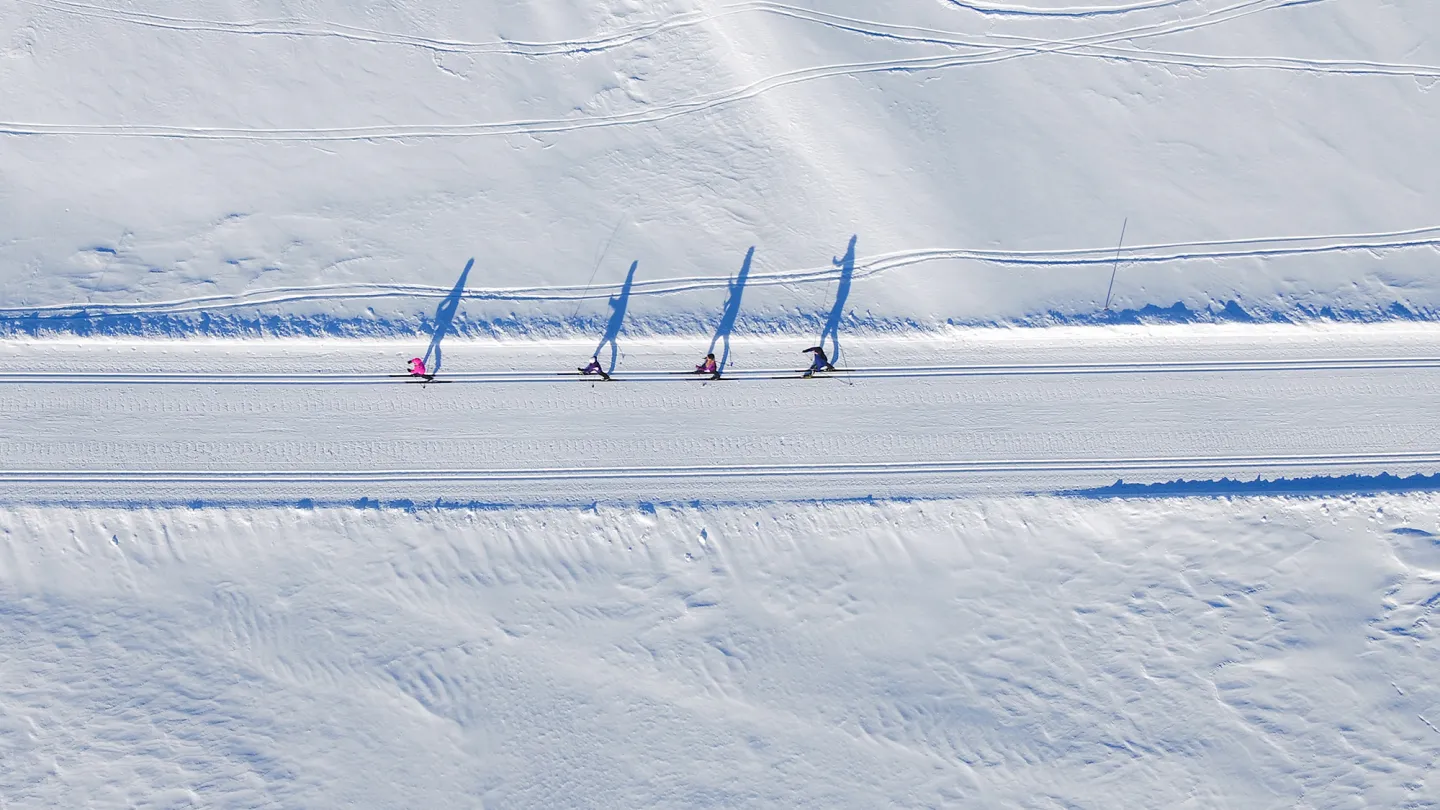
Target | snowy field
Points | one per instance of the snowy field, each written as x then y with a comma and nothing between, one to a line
258,573
1034,652
108,421
323,165
1075,260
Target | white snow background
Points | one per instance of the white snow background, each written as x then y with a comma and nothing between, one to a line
278,158
243,168
1033,652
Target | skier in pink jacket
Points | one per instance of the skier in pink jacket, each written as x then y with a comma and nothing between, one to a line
708,366
594,367
417,367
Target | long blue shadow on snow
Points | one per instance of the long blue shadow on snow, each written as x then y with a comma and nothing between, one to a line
617,319
1229,312
98,323
445,318
1318,486
842,293
1308,485
731,312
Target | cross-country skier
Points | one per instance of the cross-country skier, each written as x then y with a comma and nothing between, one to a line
820,363
708,366
417,367
594,368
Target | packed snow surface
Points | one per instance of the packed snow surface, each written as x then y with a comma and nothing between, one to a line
241,565
1037,652
102,421
665,591
330,165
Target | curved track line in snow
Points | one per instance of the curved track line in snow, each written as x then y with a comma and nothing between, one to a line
629,35
698,104
1157,254
1095,47
300,28
1347,67
873,372
1074,11
893,31
615,38
701,471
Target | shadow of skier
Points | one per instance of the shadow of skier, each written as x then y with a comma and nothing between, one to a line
617,319
445,318
832,324
730,313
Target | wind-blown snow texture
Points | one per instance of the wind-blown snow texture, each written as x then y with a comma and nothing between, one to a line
759,172
1011,653
329,168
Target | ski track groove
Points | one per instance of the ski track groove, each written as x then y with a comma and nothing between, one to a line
735,375
1427,237
1072,11
1023,432
617,38
989,54
1106,449
620,37
633,34
870,468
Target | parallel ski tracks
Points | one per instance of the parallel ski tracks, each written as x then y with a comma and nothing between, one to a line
1263,247
981,53
751,375
850,469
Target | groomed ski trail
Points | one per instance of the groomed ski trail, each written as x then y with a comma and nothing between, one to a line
758,374
702,471
1061,410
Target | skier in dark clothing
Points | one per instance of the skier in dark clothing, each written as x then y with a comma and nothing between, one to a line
594,368
821,362
708,366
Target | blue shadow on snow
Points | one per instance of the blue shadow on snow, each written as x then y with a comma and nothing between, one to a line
1308,485
94,321
842,293
617,319
731,312
445,318
1318,486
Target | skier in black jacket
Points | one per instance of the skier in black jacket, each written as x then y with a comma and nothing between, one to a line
820,363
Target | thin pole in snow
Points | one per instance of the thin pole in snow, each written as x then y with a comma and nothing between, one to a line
1111,289
601,260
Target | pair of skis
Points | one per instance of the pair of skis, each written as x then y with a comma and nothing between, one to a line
716,377
799,375
424,379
